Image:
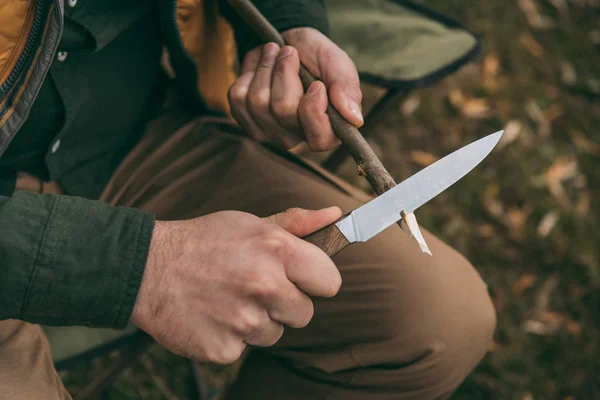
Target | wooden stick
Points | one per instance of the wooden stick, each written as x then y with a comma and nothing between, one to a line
368,164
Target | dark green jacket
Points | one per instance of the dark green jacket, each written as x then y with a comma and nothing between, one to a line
73,260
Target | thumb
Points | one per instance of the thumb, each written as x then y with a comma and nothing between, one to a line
346,97
301,222
339,74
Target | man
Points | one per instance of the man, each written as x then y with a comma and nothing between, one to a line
125,199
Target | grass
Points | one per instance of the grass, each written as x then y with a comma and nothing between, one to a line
527,217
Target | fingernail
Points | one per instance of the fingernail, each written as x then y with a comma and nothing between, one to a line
284,52
271,49
355,108
314,88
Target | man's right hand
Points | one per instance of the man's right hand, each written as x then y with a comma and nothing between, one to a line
216,283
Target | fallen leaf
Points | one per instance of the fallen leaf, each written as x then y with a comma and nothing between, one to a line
456,98
554,111
512,130
475,108
485,230
410,105
491,202
568,73
547,323
525,282
584,144
491,66
422,158
582,207
561,5
593,85
531,45
574,328
469,107
534,18
534,112
561,170
547,223
516,217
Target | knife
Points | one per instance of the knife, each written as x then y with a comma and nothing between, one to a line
380,213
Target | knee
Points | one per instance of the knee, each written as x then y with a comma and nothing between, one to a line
438,332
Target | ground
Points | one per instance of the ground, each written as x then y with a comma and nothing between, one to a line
527,217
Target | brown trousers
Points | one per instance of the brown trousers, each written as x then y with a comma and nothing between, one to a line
404,325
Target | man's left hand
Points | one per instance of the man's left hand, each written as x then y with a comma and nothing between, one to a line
268,100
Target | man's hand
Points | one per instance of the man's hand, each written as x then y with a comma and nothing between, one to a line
216,283
268,100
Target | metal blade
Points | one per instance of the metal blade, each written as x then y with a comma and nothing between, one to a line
378,214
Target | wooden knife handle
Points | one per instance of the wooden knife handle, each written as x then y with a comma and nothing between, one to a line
328,239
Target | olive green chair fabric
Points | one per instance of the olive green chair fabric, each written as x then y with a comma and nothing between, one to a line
395,44
399,43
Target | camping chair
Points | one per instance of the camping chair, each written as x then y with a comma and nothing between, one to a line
397,45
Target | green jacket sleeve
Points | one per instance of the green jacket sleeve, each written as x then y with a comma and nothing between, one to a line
70,261
283,15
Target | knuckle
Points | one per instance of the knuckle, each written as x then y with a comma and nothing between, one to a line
260,98
237,94
294,213
226,354
247,323
284,107
266,287
276,240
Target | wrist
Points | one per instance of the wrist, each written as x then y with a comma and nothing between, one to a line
145,307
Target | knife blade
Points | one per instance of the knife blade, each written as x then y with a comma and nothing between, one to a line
380,213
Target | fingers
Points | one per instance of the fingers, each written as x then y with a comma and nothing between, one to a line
307,266
339,74
300,222
269,333
258,101
295,310
238,93
315,122
286,89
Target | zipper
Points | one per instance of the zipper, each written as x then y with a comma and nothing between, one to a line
37,28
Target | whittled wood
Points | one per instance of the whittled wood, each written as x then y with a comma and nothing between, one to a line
368,164
328,239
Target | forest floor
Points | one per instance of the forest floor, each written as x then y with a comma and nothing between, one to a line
527,217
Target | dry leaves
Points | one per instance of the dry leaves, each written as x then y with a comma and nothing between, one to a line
584,144
491,202
410,105
582,208
534,112
568,75
516,217
490,71
531,45
512,130
470,107
534,18
548,223
563,169
525,282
